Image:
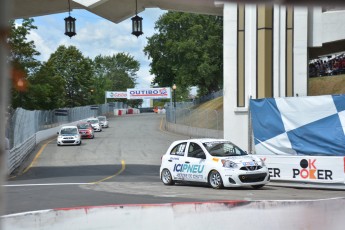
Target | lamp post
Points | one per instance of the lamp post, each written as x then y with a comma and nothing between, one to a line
174,91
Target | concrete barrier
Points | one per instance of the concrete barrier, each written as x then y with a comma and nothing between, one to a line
283,215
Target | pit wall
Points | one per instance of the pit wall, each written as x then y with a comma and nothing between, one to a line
283,215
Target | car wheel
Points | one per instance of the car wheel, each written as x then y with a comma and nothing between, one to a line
167,178
258,186
215,179
93,136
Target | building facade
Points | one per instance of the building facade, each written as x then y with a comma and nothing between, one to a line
267,49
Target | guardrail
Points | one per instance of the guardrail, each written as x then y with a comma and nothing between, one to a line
18,154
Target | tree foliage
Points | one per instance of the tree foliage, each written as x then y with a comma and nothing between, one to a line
114,73
70,75
187,50
22,58
67,79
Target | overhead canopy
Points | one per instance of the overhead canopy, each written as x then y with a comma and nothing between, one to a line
113,10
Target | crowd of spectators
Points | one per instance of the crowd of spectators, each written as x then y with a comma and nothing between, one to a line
332,66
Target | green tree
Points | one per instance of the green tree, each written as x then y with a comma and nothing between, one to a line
187,50
22,58
114,73
47,90
70,74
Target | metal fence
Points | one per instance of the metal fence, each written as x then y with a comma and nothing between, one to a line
24,126
208,97
205,120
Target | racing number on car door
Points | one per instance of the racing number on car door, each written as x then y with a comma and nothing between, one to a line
177,156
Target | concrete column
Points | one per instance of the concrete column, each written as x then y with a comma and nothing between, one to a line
300,51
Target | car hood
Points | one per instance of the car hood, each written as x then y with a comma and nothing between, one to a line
241,159
68,135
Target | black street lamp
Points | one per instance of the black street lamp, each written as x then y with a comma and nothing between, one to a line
70,23
137,22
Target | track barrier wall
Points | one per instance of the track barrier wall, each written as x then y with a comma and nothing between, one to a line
26,129
283,215
309,169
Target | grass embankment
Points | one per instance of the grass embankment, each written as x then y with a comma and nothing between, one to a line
204,115
207,115
327,85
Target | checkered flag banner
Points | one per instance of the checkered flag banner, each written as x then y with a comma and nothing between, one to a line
299,125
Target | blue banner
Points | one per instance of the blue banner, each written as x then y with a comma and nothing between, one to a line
299,125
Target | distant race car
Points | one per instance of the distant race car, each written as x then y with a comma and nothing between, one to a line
217,162
86,130
103,120
96,125
68,135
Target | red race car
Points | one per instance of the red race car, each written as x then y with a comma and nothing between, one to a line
86,130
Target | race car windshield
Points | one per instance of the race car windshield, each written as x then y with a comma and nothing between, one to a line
69,131
101,118
223,149
83,126
93,121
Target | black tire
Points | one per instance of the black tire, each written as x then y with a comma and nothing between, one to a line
258,186
215,179
166,177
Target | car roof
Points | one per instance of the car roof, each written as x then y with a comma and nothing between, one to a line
92,118
69,127
202,140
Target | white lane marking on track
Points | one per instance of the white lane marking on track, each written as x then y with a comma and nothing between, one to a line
26,185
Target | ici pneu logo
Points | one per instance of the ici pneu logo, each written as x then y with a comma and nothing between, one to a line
309,170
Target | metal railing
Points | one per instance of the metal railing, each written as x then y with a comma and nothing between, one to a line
208,97
197,122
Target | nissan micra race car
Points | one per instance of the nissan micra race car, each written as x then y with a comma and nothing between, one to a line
217,162
68,135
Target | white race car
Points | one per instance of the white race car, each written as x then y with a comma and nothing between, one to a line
96,125
217,162
68,135
103,121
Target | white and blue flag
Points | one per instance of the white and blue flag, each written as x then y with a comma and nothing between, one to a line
299,125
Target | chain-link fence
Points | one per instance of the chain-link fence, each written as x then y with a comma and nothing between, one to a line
27,128
23,124
208,97
198,122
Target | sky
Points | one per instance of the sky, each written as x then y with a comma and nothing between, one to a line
97,36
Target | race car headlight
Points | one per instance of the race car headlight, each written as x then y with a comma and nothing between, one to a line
229,164
76,136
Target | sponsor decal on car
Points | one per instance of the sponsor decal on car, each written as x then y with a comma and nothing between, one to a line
250,163
188,168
